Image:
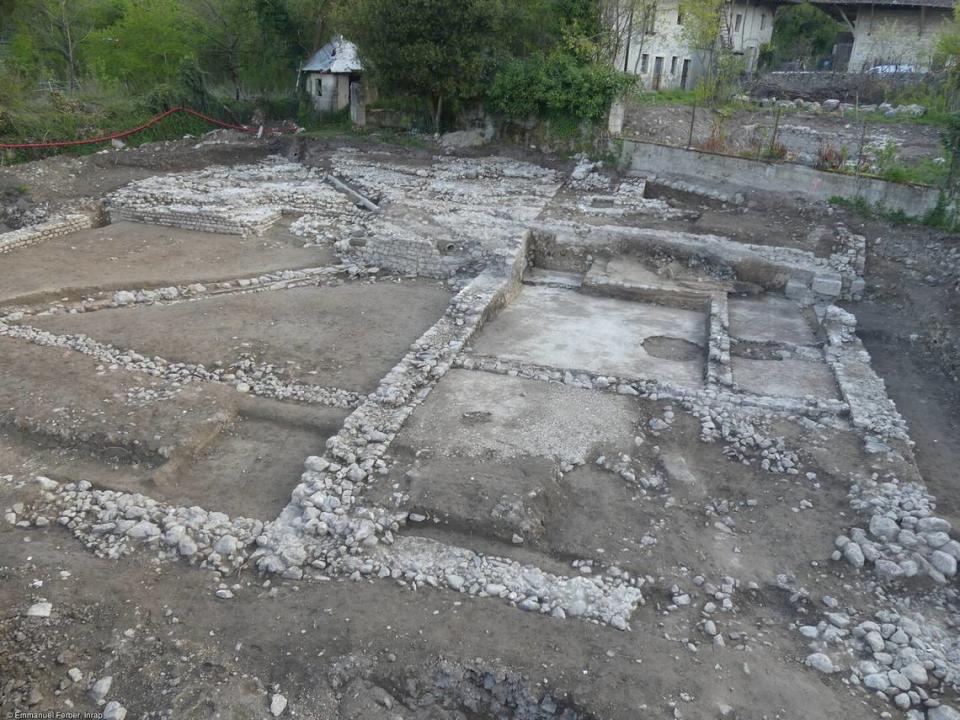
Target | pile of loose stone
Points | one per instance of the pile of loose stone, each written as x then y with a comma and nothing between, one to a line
904,538
833,105
112,523
905,660
871,409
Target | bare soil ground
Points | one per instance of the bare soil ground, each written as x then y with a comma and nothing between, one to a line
562,478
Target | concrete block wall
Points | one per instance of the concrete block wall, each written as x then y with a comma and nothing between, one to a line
53,228
784,178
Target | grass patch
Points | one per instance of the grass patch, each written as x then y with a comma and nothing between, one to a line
665,97
938,218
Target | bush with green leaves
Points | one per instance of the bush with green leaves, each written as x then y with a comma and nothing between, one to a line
558,85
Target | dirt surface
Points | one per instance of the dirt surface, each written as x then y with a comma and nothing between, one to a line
125,256
577,439
59,181
345,336
802,133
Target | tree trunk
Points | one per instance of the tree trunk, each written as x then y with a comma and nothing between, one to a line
68,41
436,118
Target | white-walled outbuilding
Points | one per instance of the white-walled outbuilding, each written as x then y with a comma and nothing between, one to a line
329,72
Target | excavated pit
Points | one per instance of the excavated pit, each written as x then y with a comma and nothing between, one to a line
523,442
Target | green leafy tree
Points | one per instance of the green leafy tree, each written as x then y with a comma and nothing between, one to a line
310,22
706,28
437,49
948,55
57,31
803,33
225,28
145,46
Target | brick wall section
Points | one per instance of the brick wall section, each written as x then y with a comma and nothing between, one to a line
53,228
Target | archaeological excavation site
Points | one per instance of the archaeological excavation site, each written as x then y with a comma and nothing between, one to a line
332,430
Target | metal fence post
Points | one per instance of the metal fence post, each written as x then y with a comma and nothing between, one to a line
693,119
773,137
863,140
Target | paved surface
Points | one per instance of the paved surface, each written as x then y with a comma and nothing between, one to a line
564,329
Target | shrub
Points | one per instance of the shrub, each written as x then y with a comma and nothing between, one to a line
556,85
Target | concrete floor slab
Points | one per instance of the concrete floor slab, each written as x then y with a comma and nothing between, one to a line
346,336
769,319
480,415
790,378
565,329
129,255
483,452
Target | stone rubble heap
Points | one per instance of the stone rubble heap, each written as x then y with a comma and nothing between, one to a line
907,661
904,539
833,105
460,210
112,523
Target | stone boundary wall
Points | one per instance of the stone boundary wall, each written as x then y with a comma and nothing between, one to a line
871,409
847,87
784,178
798,273
406,254
190,217
53,228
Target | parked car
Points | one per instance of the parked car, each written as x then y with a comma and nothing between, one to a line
891,69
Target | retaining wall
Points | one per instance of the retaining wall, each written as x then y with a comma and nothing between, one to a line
786,178
53,228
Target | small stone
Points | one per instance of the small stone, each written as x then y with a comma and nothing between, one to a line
884,528
278,703
853,554
100,689
75,674
114,711
943,712
944,563
819,661
877,681
915,673
40,610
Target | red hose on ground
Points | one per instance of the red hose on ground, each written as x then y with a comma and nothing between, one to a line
134,131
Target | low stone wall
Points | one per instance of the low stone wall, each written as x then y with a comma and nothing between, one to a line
402,251
797,273
53,228
847,87
189,217
785,178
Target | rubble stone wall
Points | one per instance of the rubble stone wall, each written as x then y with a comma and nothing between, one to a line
53,228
